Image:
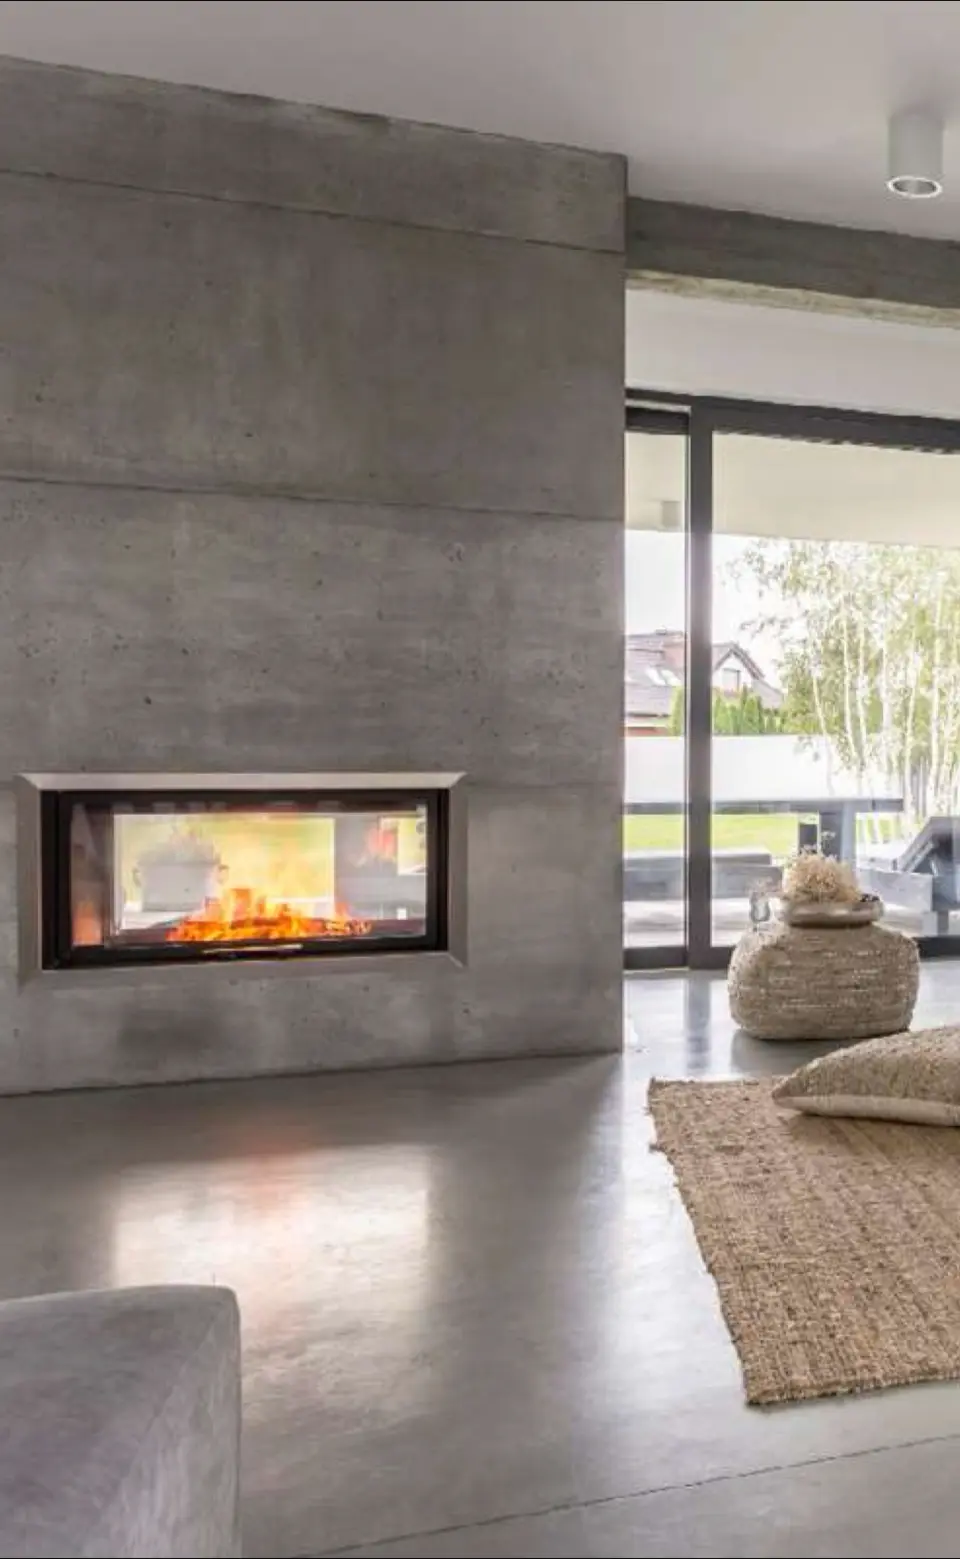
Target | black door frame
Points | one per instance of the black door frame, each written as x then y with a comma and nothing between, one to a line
700,418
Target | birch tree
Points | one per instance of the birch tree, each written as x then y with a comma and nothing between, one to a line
870,658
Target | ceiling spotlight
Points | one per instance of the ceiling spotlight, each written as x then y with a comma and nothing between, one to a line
915,155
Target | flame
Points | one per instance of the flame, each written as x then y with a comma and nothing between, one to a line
380,843
244,916
87,924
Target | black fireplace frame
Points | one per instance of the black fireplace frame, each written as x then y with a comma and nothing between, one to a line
56,940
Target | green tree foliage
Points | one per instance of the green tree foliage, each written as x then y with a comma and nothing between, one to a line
678,713
870,657
741,716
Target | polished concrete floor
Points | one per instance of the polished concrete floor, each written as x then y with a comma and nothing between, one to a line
476,1322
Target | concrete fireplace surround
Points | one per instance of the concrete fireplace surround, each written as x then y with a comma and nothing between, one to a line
311,460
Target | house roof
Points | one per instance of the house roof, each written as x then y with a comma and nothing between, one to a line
656,666
770,696
728,647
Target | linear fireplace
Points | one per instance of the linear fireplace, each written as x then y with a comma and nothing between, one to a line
146,873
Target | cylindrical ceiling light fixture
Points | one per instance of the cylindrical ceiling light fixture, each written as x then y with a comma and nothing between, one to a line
915,155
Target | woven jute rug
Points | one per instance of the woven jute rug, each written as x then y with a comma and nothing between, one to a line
835,1244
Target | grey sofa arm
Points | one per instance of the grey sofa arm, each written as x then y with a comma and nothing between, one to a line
120,1424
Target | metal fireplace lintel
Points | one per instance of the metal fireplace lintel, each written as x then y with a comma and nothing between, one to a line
133,780
29,788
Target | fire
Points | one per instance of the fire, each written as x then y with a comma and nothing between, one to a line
87,924
244,916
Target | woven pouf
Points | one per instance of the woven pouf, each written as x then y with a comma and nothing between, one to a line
793,982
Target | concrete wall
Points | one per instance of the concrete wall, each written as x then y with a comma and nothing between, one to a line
310,458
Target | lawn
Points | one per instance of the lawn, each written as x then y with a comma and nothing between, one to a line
773,831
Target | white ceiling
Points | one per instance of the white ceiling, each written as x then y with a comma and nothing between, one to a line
705,346
817,492
768,105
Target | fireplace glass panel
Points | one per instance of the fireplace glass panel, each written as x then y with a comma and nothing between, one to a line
162,876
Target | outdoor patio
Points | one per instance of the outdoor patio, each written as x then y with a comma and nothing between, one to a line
774,796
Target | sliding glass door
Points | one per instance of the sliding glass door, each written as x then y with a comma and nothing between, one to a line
817,665
654,821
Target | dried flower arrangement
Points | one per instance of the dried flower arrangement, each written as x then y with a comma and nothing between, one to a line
811,878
